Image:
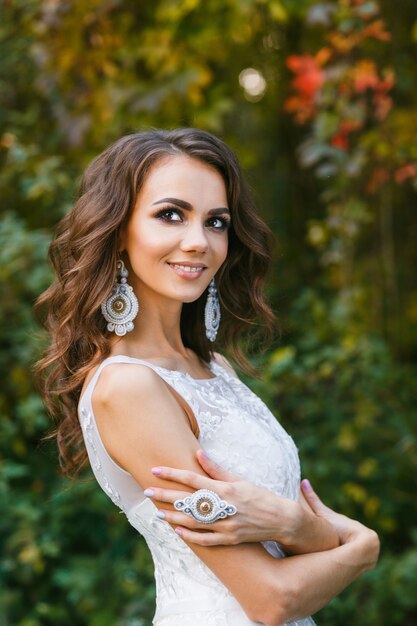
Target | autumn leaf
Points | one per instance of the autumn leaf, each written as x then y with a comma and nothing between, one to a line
310,77
377,31
383,105
308,81
364,76
406,171
340,141
379,177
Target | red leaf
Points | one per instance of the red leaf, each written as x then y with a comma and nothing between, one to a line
309,77
409,170
340,141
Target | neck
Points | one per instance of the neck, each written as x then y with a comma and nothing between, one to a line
157,330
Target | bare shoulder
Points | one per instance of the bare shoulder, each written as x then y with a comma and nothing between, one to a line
133,397
120,381
139,419
223,362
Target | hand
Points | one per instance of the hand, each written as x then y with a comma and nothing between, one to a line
261,516
348,530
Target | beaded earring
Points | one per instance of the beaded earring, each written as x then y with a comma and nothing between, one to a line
121,307
212,313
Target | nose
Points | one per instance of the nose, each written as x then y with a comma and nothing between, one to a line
194,238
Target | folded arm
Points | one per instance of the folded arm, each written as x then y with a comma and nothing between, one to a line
142,426
263,515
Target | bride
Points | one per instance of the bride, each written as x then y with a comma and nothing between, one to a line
162,257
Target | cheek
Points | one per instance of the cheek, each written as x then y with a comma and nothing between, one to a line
143,239
222,247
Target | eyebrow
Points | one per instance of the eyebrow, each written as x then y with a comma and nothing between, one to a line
187,206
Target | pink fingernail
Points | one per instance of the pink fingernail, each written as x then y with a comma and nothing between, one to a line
156,471
178,531
307,485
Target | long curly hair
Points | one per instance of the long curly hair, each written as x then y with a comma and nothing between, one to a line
84,254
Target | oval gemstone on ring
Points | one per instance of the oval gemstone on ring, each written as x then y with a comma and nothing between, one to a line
204,506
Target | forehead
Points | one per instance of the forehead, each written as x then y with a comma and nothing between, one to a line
186,178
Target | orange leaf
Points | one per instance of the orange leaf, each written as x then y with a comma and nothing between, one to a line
409,170
341,141
296,63
349,126
387,82
364,76
379,176
309,77
293,103
322,56
343,43
383,105
309,83
377,31
303,109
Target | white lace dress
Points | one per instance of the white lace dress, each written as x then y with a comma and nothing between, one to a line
238,431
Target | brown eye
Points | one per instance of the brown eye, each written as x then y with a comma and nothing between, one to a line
169,215
219,223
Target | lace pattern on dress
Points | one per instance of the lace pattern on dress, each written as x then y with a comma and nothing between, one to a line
89,432
239,432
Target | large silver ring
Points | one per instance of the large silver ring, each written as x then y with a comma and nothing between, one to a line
205,506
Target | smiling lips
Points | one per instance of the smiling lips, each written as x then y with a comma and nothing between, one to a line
188,270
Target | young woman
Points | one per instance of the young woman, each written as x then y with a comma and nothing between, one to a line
162,244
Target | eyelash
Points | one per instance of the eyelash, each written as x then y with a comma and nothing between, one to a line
161,215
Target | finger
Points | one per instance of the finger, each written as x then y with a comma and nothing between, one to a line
204,538
214,470
187,521
185,477
312,498
165,495
177,518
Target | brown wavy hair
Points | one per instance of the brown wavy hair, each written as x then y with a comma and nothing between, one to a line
84,253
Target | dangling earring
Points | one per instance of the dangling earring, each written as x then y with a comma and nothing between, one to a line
212,312
121,307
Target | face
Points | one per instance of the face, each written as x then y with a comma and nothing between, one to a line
176,239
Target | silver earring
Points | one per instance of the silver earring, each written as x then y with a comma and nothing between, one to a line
121,307
212,312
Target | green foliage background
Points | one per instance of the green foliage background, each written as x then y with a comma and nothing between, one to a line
77,74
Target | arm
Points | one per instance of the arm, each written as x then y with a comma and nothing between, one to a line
350,532
263,515
293,525
133,407
319,577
